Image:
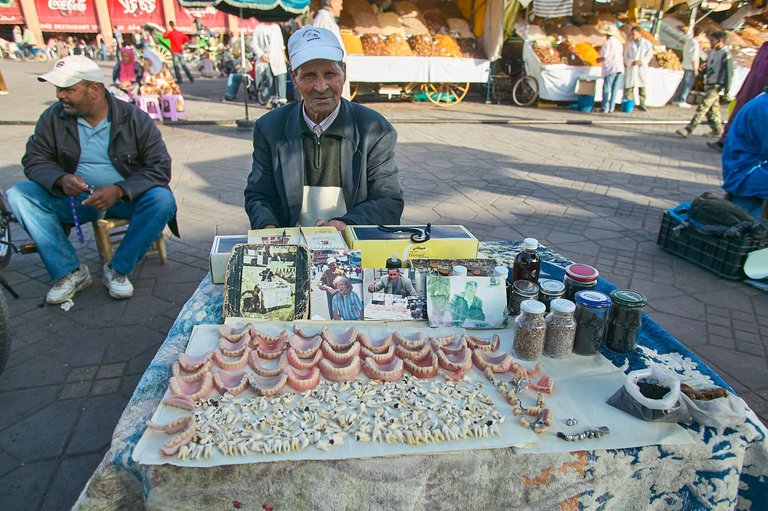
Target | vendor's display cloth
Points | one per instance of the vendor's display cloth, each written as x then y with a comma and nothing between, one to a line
722,469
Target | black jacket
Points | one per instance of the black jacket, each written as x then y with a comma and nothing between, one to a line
274,192
136,149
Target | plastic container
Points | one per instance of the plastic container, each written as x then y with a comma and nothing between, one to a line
527,263
579,277
550,290
522,290
585,103
624,320
722,256
393,262
459,271
561,329
627,106
591,314
530,329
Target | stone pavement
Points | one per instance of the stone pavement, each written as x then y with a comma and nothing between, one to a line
592,193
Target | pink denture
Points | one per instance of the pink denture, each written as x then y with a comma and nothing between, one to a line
234,383
424,368
303,380
497,363
377,346
419,354
191,363
391,371
380,358
269,386
234,349
461,361
195,391
303,363
410,342
269,367
339,372
340,342
231,363
305,348
271,351
340,357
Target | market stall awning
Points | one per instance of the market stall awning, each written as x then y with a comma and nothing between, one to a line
10,14
210,17
264,10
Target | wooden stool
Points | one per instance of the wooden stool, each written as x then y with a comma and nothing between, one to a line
108,235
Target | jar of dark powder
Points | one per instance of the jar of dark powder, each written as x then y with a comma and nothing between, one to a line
624,320
591,312
549,290
561,329
530,329
579,277
522,290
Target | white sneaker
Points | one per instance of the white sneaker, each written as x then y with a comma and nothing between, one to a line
683,104
67,287
118,284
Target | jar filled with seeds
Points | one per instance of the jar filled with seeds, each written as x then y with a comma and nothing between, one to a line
530,329
522,290
624,320
591,312
579,277
561,329
549,290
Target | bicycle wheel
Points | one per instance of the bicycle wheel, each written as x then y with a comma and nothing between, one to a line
525,92
353,89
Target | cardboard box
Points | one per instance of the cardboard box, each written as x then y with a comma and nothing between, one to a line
220,252
586,87
376,245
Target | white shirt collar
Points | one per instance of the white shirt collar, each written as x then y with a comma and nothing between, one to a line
325,123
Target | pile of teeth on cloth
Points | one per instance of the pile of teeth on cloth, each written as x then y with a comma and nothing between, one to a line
402,401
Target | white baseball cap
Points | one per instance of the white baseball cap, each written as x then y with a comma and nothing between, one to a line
312,43
330,260
73,69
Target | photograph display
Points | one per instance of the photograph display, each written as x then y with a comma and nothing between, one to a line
468,302
395,294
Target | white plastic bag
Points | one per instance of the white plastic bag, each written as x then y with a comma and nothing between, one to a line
655,376
718,413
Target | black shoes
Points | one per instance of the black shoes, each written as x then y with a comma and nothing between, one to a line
717,146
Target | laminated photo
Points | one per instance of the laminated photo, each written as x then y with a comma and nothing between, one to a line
394,294
337,286
267,282
468,302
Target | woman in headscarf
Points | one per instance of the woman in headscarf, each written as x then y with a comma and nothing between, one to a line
158,79
754,84
128,72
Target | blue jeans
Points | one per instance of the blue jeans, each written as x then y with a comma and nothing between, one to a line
178,60
610,91
686,85
42,215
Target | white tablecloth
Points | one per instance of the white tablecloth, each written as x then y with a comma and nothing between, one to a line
557,82
362,68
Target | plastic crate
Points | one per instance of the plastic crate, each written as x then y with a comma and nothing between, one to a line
723,256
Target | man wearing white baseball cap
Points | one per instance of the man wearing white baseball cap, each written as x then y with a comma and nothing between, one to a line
91,157
326,282
322,160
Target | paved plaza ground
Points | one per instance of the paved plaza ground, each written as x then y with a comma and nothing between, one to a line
594,193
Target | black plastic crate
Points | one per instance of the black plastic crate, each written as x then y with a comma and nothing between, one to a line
723,256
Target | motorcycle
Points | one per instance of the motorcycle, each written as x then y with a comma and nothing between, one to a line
7,248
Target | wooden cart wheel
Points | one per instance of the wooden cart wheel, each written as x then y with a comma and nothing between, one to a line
164,53
445,94
353,89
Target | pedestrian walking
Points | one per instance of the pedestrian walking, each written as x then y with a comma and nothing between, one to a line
118,41
612,66
178,40
717,78
637,56
691,63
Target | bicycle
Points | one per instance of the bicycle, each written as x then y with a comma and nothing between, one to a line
518,86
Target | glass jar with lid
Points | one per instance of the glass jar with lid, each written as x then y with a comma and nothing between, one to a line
591,312
561,329
579,277
624,320
530,329
522,290
549,290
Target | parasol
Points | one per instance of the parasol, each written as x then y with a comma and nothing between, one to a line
263,10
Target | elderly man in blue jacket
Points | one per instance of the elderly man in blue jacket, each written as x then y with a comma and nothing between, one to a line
92,156
322,160
745,156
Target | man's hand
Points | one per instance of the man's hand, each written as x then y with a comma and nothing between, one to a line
338,224
103,198
372,288
636,63
265,58
72,185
